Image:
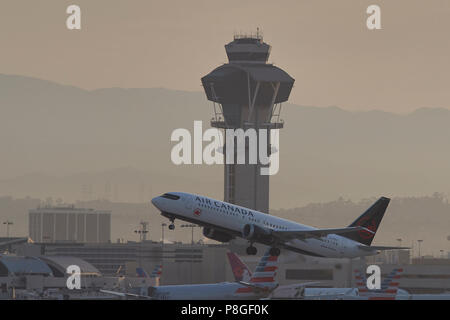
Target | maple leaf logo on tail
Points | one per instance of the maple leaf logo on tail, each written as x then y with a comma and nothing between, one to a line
370,225
370,220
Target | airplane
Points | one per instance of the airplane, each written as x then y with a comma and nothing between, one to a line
222,221
389,287
156,273
391,291
388,291
240,270
260,284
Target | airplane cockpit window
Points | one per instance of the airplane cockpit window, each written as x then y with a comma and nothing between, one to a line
170,196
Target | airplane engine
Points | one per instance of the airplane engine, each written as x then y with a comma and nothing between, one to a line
255,233
216,235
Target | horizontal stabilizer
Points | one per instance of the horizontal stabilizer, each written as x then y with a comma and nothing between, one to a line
371,248
315,233
126,294
256,287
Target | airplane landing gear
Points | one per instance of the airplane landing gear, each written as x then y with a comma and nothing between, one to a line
251,250
172,225
274,251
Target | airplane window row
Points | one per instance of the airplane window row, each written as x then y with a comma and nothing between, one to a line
275,226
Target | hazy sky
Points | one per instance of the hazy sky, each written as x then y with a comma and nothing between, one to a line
323,44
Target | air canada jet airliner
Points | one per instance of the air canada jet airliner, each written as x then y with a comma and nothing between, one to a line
224,221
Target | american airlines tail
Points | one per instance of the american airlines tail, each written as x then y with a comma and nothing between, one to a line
266,269
156,273
389,286
240,270
141,273
263,279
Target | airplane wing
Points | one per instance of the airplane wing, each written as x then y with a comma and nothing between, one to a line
126,294
255,286
291,286
316,233
372,248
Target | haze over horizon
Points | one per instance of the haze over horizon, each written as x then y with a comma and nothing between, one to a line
324,45
59,140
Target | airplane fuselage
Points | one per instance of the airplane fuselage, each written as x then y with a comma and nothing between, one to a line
231,219
214,291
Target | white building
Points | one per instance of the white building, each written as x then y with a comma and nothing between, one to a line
69,224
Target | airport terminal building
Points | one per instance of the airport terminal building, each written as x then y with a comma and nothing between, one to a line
69,224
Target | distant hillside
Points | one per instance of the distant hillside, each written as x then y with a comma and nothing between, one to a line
114,143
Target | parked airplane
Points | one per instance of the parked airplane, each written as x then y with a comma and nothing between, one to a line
389,287
224,221
388,291
240,270
260,285
156,273
392,291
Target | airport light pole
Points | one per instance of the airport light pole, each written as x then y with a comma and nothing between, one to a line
398,252
419,242
163,225
162,232
192,231
142,237
7,223
142,231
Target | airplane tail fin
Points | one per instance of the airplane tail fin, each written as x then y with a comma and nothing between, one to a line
266,269
370,220
263,278
389,286
156,273
141,273
240,270
360,281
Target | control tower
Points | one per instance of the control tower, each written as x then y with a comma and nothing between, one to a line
247,92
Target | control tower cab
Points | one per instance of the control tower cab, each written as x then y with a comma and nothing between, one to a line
247,49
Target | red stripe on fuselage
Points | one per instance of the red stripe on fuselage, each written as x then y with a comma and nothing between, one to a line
270,268
262,279
244,290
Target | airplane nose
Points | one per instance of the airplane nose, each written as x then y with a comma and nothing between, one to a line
156,201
